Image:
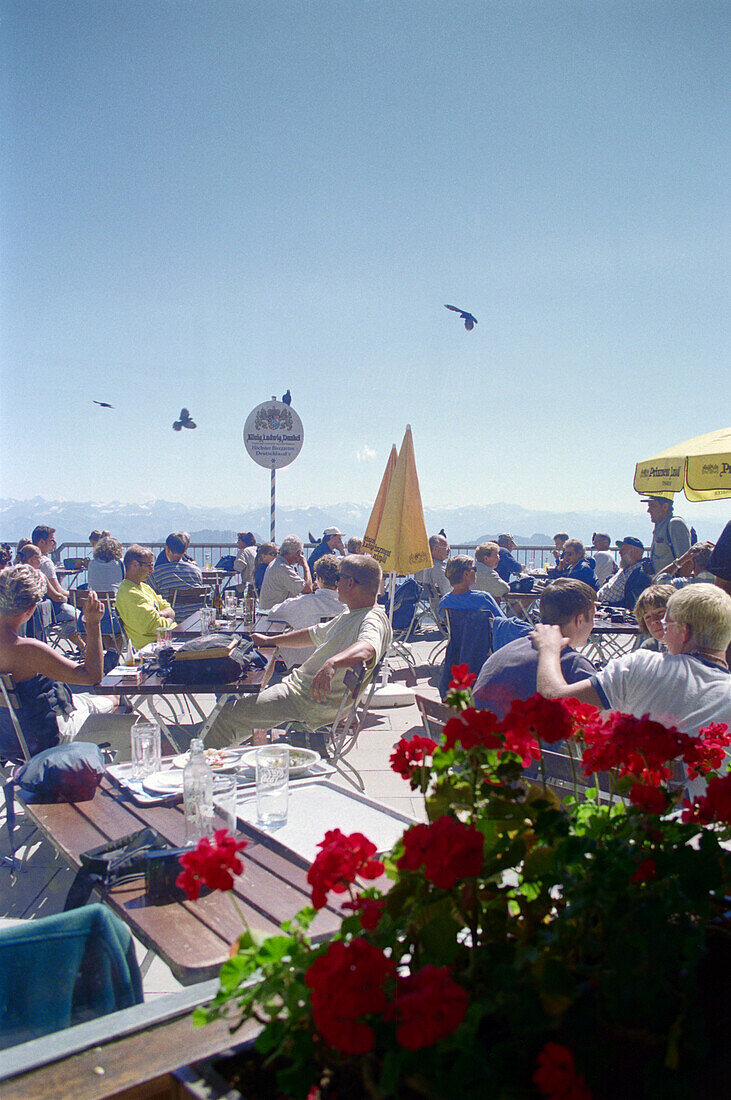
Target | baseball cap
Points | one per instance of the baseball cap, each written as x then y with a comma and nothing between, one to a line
331,531
505,535
631,541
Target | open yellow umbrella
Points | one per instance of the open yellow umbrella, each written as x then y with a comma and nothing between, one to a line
700,467
369,539
401,544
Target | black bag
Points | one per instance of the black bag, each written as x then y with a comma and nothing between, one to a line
226,563
64,773
205,661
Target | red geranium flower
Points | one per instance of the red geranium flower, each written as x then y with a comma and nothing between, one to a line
473,728
447,850
714,806
428,1006
408,755
347,983
707,752
651,800
370,910
547,719
341,860
645,870
461,677
637,746
521,742
556,1076
213,865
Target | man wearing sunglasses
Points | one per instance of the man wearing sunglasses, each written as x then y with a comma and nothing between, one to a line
312,692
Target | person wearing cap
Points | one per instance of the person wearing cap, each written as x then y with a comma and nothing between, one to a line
670,536
624,588
604,564
507,564
332,540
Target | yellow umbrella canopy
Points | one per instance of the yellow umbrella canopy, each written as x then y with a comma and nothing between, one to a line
401,544
369,539
700,467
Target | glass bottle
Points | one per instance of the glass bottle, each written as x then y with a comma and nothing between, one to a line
197,794
250,605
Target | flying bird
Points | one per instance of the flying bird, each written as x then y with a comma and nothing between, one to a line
469,320
184,422
287,398
104,404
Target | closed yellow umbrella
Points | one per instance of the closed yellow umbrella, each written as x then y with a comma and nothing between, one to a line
700,467
369,539
401,544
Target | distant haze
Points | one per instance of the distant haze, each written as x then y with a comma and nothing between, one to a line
154,520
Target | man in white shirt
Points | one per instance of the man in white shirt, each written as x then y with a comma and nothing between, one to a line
245,558
281,579
312,693
687,687
604,564
307,610
64,613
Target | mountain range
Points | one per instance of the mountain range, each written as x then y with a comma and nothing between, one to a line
153,520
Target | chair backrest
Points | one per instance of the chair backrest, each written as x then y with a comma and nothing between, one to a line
434,715
179,596
470,642
9,702
112,627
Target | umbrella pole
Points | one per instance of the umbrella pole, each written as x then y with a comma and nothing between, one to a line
391,594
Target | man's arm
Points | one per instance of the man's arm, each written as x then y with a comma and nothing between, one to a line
360,652
550,682
307,587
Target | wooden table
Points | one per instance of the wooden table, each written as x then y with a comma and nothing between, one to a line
522,604
193,938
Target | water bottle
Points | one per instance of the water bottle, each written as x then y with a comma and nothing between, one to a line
197,794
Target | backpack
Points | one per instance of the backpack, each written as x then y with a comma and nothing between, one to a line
226,563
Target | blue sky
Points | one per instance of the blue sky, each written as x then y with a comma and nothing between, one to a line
206,203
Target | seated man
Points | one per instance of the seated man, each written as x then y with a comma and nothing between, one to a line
185,539
624,588
435,577
141,609
687,687
281,579
332,540
306,610
560,567
461,573
44,538
604,564
511,672
576,566
690,568
174,573
312,693
487,556
508,565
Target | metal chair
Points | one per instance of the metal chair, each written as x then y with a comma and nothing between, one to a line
10,703
430,609
115,637
434,715
338,738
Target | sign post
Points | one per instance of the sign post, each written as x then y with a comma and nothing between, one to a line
273,437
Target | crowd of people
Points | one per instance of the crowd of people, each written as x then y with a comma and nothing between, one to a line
326,614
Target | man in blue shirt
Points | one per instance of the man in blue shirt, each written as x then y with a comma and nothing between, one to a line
332,540
577,567
507,564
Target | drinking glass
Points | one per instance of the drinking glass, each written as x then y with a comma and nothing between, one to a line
208,619
229,605
272,785
164,636
224,801
146,751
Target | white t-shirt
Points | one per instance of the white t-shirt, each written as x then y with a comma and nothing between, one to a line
682,691
48,568
300,612
604,565
244,564
436,577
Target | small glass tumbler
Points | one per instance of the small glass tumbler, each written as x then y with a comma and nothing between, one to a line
224,802
272,785
146,752
229,605
208,619
164,636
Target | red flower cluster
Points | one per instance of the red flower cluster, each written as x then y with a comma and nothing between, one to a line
707,752
370,910
637,746
522,743
447,850
556,1076
428,1006
341,860
213,865
409,755
547,719
714,805
644,871
348,982
472,728
651,800
462,678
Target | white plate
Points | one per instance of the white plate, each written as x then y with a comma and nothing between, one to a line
248,760
231,758
169,782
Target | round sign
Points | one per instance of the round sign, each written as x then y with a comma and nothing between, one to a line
273,434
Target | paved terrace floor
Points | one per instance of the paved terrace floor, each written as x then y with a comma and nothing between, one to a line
41,889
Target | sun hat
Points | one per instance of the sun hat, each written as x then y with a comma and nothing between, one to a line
331,531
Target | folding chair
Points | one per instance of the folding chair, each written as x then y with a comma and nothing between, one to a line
113,634
434,715
10,756
338,738
186,600
431,598
405,616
